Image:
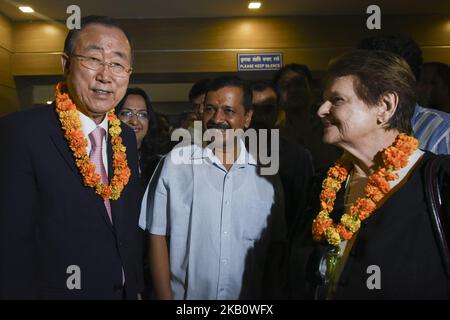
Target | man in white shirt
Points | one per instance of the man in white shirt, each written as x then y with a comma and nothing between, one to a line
217,225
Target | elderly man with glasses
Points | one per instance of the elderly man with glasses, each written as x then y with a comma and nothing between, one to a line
68,193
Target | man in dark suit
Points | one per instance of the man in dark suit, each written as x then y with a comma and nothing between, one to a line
59,239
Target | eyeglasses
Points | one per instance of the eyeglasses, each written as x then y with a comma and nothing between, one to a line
126,115
95,64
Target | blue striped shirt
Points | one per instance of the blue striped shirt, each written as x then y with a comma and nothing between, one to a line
432,128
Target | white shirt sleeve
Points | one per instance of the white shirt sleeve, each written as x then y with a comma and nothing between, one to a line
153,215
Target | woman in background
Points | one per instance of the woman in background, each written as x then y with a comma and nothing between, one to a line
137,112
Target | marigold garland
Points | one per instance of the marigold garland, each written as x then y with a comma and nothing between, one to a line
394,158
70,123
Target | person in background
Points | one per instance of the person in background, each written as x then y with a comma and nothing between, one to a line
163,137
197,100
197,96
136,111
293,87
433,86
296,167
430,126
188,119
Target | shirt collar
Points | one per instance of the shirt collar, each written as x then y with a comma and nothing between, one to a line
88,125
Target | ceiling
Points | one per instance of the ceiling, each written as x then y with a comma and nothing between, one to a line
56,9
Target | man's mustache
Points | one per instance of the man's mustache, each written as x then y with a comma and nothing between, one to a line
219,126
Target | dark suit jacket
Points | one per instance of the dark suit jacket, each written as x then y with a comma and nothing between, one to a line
49,221
398,238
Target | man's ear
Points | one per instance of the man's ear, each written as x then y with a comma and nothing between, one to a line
386,107
65,63
248,118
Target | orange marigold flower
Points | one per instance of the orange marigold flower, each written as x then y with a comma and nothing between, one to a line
362,208
326,206
334,172
332,184
116,140
380,183
406,143
91,179
354,210
344,233
343,172
320,226
394,158
111,115
363,215
74,134
119,156
373,192
338,172
389,176
327,196
365,204
69,120
119,148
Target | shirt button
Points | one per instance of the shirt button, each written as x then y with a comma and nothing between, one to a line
225,232
228,177
224,261
227,202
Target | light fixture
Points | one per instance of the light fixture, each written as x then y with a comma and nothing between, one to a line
26,9
49,101
254,5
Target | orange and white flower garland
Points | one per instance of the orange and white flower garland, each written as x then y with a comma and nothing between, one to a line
70,123
394,158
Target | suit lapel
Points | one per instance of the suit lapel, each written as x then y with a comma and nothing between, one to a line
61,144
63,148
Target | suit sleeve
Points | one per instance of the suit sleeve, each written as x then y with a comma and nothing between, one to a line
18,194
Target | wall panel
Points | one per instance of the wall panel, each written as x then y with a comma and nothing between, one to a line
38,37
211,45
5,33
8,94
8,100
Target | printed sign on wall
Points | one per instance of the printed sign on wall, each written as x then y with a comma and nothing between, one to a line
259,61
